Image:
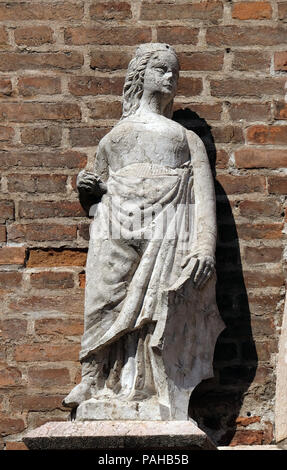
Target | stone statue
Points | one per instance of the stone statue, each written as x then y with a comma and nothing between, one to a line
151,320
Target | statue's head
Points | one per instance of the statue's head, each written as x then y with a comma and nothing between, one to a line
147,70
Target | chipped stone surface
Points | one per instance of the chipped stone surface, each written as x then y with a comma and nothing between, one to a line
151,319
118,435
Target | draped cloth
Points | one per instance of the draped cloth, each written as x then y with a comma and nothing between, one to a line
143,228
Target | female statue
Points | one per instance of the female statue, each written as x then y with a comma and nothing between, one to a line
151,320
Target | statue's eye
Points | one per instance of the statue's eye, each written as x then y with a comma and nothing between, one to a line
161,69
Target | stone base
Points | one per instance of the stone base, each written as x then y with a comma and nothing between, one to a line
116,410
105,435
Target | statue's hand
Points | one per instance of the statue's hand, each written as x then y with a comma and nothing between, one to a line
203,267
90,184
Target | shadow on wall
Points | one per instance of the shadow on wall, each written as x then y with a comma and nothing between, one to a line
215,403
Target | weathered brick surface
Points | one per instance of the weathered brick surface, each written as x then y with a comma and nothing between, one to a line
12,255
206,10
112,10
252,10
21,61
34,36
62,66
33,86
280,61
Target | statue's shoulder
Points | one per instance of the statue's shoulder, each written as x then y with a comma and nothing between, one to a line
194,140
111,136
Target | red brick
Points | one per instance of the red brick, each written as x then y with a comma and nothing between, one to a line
263,375
36,419
250,111
11,425
10,376
3,36
277,185
247,437
13,329
87,136
13,61
227,134
82,280
85,86
256,231
6,210
262,254
110,60
252,11
206,10
2,233
249,87
10,279
84,231
177,34
59,328
246,421
251,60
31,112
261,304
280,61
37,183
47,378
244,36
242,184
6,134
53,258
105,109
52,280
13,11
41,232
261,208
12,255
262,134
112,10
222,159
71,304
5,87
64,159
16,445
42,136
280,111
122,35
201,60
282,11
43,209
262,351
268,433
43,352
189,86
34,35
204,110
31,402
31,86
248,157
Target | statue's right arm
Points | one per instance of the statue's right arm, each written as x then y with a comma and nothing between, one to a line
91,185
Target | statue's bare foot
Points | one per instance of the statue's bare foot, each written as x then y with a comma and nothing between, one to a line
80,393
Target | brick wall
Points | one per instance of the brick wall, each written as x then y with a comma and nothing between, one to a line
62,67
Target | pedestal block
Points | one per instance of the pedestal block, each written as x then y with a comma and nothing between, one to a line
141,435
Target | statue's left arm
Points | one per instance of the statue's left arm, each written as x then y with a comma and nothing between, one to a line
204,246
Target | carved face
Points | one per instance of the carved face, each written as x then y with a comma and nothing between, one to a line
161,74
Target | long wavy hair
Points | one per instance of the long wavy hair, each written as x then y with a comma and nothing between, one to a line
133,87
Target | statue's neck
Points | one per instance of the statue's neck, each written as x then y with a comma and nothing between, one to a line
152,103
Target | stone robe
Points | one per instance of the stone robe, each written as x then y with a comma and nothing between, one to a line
149,334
